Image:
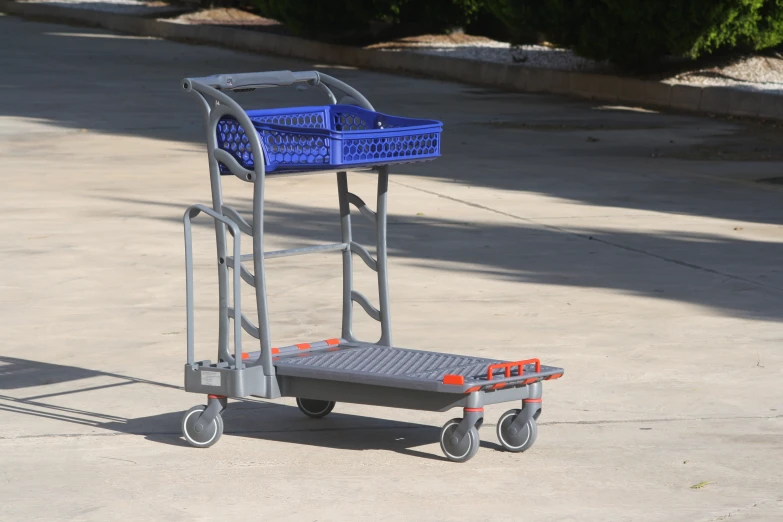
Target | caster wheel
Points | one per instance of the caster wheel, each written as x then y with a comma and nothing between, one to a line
463,450
521,440
204,437
314,408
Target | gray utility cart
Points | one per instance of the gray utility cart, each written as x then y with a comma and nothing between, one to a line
334,137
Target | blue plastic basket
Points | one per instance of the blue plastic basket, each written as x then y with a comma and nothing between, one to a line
328,137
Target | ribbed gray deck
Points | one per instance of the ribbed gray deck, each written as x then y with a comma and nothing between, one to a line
400,367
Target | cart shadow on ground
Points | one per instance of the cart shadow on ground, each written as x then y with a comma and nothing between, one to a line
733,275
251,418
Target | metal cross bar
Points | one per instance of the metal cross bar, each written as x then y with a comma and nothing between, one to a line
234,216
365,255
247,277
365,303
355,200
305,250
247,325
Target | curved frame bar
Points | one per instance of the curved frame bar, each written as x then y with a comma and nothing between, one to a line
187,219
346,89
210,88
226,106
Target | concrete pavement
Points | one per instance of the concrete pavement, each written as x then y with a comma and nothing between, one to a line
636,249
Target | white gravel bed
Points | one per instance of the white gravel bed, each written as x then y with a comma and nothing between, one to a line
529,55
757,73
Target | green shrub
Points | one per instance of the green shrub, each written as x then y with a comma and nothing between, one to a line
363,20
637,34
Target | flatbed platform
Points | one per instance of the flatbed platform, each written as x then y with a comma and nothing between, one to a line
367,363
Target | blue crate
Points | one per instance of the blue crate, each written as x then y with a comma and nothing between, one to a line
329,137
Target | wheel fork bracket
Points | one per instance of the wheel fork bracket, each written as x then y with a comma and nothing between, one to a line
215,404
473,415
530,408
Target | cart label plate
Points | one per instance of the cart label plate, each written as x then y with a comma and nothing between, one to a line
210,378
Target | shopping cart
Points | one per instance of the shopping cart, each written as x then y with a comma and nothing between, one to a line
336,137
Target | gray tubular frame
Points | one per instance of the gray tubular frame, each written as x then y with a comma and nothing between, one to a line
190,213
379,265
216,104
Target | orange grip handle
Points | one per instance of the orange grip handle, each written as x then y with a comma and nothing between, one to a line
507,366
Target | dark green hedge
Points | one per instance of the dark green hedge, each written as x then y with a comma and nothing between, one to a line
637,34
357,20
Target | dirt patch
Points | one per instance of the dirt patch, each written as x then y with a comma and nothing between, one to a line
232,17
437,40
756,72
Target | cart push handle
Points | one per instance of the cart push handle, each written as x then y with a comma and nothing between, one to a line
260,80
230,82
507,366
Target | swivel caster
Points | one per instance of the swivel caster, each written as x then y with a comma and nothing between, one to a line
200,434
458,450
513,439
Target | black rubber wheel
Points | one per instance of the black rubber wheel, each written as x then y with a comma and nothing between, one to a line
208,436
520,441
463,450
315,408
